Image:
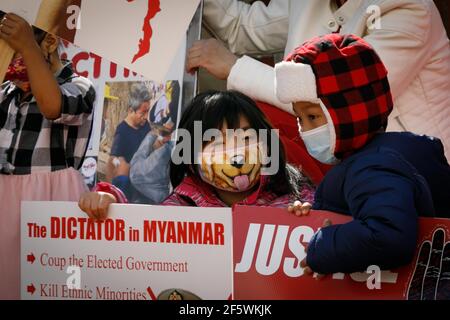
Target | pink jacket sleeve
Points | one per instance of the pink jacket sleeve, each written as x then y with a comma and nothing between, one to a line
111,189
176,201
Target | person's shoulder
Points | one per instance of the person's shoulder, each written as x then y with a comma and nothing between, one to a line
408,142
395,152
145,128
368,170
382,156
122,125
78,79
405,135
67,75
122,128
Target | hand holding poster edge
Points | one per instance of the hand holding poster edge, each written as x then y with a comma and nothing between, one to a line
434,237
48,19
48,281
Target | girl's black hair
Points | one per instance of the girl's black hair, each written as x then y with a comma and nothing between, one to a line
213,108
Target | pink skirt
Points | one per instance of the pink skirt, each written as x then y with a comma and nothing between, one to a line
63,185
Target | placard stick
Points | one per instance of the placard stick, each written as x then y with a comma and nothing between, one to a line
51,15
6,55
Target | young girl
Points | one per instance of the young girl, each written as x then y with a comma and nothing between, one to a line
215,183
45,123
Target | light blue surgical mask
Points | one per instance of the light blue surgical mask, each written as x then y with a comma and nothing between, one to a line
317,142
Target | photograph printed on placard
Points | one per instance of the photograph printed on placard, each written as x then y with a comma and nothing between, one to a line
139,119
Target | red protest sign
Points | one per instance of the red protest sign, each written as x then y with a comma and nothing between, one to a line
269,243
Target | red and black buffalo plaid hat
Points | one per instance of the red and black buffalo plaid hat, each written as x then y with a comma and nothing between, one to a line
347,78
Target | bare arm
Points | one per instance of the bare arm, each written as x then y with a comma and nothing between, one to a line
19,36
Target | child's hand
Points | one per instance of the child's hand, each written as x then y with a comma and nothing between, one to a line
299,208
96,204
307,269
16,32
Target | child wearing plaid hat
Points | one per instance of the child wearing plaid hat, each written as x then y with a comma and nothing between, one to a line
340,93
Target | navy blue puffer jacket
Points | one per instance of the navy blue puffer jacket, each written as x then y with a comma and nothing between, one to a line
384,186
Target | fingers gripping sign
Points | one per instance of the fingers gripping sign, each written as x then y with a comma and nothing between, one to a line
96,204
431,279
211,55
300,209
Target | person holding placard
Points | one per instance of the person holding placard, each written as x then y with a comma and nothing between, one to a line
45,124
385,180
218,173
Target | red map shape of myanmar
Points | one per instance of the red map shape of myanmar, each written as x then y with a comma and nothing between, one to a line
144,43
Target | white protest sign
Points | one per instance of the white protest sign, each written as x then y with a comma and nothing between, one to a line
136,254
142,35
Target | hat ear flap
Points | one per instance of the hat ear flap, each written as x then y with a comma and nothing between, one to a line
295,82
